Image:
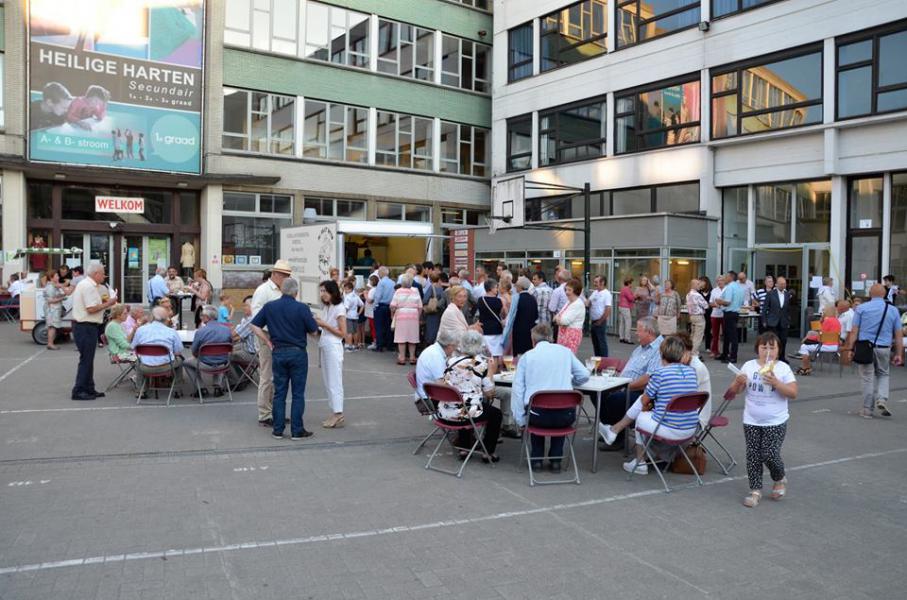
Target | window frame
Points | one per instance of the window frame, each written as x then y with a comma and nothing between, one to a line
472,57
460,142
512,66
740,8
509,157
402,131
557,34
413,49
286,218
329,121
464,216
555,112
404,211
638,131
275,42
362,203
606,201
250,112
873,35
739,67
620,4
363,55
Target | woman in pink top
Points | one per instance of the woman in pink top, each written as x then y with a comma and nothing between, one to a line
406,307
625,315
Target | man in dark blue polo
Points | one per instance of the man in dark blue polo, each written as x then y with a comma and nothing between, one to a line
878,323
288,322
211,332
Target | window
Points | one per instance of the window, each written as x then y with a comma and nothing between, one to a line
657,117
464,149
722,8
258,122
572,132
336,35
864,234
781,93
461,216
631,202
269,26
519,52
683,198
898,255
773,214
480,4
251,227
549,209
341,209
792,212
813,222
519,143
395,211
465,64
403,141
573,34
673,198
643,20
405,50
872,74
335,132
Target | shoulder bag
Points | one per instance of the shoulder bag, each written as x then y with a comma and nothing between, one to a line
863,349
431,307
494,314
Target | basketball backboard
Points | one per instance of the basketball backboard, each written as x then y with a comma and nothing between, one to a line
507,204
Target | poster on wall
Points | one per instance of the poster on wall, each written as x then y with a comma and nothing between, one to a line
312,251
116,83
462,249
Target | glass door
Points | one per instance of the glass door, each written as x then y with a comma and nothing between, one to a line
133,284
157,253
816,267
96,248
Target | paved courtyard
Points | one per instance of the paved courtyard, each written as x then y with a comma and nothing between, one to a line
110,500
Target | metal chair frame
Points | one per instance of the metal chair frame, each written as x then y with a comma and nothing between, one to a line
425,407
682,403
717,419
552,400
445,393
214,350
155,350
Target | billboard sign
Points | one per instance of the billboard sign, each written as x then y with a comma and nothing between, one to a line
312,251
116,83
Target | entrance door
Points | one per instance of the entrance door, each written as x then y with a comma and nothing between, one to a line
804,267
96,248
142,254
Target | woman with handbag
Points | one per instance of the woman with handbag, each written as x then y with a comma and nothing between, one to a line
570,319
491,316
434,302
406,307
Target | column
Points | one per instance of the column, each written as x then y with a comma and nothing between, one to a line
438,57
534,161
373,43
299,130
838,233
14,210
886,224
436,145
828,81
705,113
536,46
611,40
211,215
609,125
372,134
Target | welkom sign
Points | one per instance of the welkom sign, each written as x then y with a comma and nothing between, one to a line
117,204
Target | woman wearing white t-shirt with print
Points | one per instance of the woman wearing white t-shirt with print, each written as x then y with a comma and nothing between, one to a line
769,384
330,349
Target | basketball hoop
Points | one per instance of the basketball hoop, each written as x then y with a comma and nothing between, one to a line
508,204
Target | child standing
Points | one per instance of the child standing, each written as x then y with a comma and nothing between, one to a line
352,304
225,311
769,384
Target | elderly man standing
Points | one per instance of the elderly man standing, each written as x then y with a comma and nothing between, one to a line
268,291
546,367
211,332
158,333
878,323
542,294
288,322
558,298
644,360
599,314
732,298
88,313
157,286
384,293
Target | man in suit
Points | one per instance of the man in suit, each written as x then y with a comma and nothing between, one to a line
777,313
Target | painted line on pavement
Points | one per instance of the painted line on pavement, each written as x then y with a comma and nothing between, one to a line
22,364
22,411
254,545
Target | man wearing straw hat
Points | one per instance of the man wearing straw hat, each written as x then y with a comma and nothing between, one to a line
266,292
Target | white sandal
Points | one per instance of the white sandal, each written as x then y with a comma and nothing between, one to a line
779,489
753,499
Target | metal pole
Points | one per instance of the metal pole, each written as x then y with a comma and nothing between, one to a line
587,243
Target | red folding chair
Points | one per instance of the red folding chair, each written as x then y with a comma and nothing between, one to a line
439,393
220,369
609,361
718,420
425,408
679,404
155,350
552,400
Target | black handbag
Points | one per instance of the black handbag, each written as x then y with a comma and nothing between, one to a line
863,349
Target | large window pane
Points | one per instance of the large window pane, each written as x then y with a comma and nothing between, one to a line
632,202
773,214
641,20
666,116
390,210
336,35
236,119
866,203
572,133
574,34
519,52
892,66
548,209
855,92
898,260
877,55
519,144
245,237
259,122
683,198
813,212
734,220
721,8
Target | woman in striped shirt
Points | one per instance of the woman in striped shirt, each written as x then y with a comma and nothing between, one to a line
671,380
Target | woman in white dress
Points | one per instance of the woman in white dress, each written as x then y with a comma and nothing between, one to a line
330,349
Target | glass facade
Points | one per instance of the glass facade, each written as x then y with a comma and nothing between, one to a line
573,132
656,117
519,52
898,254
872,73
642,20
788,213
781,93
573,34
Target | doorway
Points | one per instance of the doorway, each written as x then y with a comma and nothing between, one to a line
141,255
95,247
804,266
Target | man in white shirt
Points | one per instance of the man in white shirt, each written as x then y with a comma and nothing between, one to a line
433,361
749,288
17,285
599,315
826,294
266,292
88,315
845,317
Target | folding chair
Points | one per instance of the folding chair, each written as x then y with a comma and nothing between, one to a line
220,369
607,362
444,393
248,370
155,350
425,408
552,400
830,338
125,367
678,404
9,308
717,420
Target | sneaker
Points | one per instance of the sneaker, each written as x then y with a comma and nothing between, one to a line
636,468
98,394
277,436
883,409
606,433
302,435
372,347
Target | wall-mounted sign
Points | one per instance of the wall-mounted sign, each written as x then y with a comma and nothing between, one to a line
865,223
116,84
462,248
116,204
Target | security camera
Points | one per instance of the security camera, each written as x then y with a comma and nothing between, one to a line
482,33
